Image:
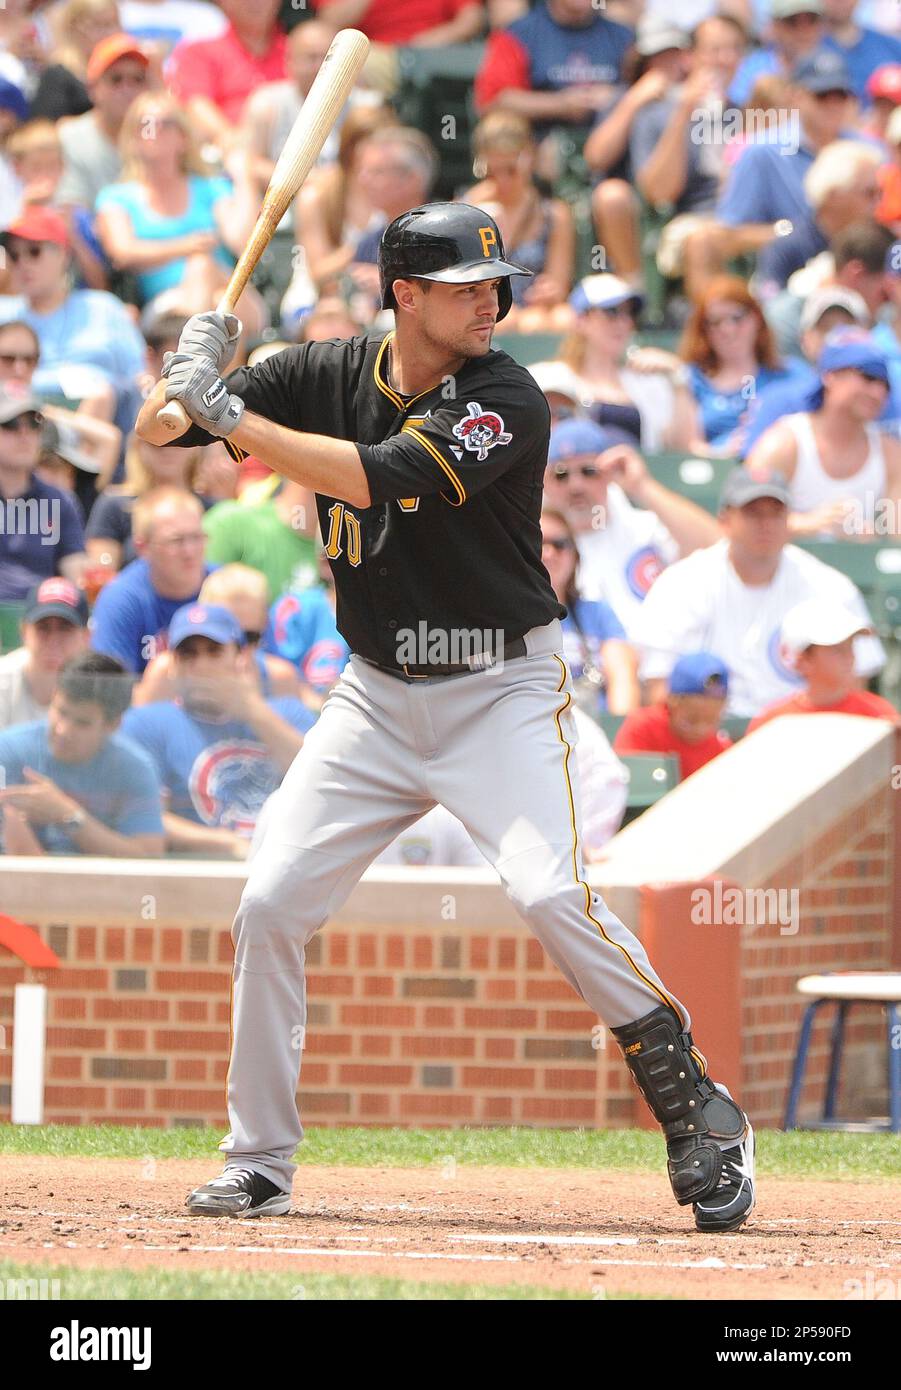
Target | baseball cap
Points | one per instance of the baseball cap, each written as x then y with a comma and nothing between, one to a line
833,297
204,620
784,9
851,347
817,622
655,34
12,98
38,224
61,438
603,292
110,50
56,598
559,378
885,82
576,436
823,70
742,488
699,673
16,399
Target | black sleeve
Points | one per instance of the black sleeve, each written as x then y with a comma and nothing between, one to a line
463,446
59,93
110,519
273,388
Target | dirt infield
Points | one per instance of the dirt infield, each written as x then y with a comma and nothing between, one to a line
591,1231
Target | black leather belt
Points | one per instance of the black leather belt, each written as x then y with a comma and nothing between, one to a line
481,662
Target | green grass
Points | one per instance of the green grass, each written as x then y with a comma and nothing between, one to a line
160,1284
795,1154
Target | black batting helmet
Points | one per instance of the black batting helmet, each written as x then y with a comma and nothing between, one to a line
450,242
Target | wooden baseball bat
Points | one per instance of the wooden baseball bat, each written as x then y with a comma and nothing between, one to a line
331,88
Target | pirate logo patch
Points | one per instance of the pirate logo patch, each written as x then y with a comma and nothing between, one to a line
481,430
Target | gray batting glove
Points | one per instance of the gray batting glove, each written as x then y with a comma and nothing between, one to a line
196,385
212,336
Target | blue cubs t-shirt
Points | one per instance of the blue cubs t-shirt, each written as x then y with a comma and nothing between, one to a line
302,630
131,620
118,786
864,57
215,774
564,57
37,530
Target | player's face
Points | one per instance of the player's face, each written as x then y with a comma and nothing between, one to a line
76,729
829,668
575,487
695,717
862,396
458,319
760,529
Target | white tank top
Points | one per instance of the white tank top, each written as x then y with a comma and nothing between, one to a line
812,486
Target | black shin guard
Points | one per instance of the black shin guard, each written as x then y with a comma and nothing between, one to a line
693,1113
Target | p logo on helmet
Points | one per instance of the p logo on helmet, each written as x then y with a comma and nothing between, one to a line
489,240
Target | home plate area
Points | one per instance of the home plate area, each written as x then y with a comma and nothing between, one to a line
598,1232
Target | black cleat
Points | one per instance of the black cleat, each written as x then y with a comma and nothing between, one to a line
731,1202
239,1192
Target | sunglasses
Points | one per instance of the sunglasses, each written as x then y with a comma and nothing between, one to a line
9,359
30,251
618,311
252,639
557,543
119,79
587,470
835,94
29,420
736,317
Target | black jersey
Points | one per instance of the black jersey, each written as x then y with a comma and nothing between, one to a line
452,539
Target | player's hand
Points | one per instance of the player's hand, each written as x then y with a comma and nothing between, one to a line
197,386
211,335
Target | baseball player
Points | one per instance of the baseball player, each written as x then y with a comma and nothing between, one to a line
427,450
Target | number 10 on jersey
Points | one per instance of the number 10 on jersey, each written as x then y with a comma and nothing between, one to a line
341,519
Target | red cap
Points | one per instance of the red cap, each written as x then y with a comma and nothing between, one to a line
886,82
109,51
36,223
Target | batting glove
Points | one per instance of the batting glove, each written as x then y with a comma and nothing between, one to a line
196,385
212,336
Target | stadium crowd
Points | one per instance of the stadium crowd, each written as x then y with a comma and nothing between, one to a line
711,215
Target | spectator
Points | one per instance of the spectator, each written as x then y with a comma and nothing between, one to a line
839,466
147,466
538,232
41,532
764,206
842,190
244,592
644,391
864,50
13,111
132,614
558,64
856,264
561,388
214,77
64,465
678,141
74,784
302,629
686,723
168,222
90,349
825,310
331,213
730,600
602,664
888,176
731,357
593,478
164,23
221,748
272,534
439,838
884,92
818,644
396,169
80,26
98,440
429,24
36,152
117,73
330,317
54,626
797,30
